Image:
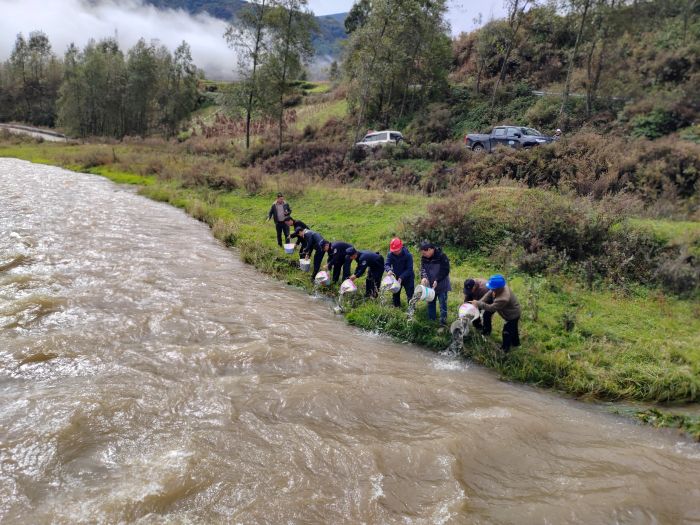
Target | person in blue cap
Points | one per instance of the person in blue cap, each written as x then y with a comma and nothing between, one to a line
337,259
435,273
501,299
371,262
313,243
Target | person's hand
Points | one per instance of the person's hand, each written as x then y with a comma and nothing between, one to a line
475,303
307,258
353,277
434,284
325,267
398,280
424,281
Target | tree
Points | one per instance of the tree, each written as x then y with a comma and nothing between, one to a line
584,7
397,60
516,12
291,26
248,36
358,15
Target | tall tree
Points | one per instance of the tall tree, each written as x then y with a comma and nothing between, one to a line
248,37
583,6
291,26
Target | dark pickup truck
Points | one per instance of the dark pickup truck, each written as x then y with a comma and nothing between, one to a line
510,136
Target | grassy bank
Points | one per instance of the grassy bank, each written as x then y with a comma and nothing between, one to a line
603,343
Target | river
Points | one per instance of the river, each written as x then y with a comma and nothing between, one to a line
149,376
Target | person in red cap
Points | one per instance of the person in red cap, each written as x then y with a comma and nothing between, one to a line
399,262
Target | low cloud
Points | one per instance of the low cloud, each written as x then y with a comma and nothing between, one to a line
66,21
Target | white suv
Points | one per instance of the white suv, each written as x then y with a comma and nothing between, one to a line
380,138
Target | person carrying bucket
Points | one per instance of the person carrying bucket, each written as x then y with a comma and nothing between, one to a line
475,289
371,262
313,243
501,299
279,211
435,273
399,263
337,259
293,224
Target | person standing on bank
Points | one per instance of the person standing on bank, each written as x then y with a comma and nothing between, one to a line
371,262
435,273
337,259
399,263
279,211
501,299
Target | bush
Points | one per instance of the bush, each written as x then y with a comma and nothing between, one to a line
679,274
253,182
655,124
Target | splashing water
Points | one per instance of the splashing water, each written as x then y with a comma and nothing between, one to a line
411,312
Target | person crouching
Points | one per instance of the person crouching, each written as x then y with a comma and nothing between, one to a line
371,262
501,299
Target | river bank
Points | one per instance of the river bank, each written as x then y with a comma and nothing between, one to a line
598,344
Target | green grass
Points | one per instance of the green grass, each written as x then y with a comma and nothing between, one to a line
637,345
318,114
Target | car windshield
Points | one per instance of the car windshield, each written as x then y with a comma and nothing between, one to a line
530,131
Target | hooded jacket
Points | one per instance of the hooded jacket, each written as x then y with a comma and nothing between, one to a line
401,265
504,302
437,268
369,260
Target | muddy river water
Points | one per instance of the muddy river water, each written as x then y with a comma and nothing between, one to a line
147,375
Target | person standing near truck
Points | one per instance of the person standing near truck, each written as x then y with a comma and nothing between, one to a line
399,263
279,211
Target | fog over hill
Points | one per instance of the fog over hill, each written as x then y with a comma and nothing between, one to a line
66,21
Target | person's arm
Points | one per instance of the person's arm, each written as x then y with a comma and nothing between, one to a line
287,209
271,213
389,264
361,267
494,306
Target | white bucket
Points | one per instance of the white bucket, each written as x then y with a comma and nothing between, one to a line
468,312
348,286
322,278
305,265
390,284
425,293
289,248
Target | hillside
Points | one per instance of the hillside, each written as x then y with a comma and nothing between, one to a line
326,42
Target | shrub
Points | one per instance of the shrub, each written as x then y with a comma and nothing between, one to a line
253,181
655,124
679,274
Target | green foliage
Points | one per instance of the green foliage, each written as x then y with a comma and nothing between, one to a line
663,419
654,125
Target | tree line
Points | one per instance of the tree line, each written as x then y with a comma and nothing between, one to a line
99,90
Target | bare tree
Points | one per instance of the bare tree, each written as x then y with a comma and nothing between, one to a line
586,4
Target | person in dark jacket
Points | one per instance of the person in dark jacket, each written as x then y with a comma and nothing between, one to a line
435,273
337,259
313,243
279,211
399,262
293,224
475,289
501,299
371,262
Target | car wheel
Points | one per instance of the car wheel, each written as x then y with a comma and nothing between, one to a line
477,147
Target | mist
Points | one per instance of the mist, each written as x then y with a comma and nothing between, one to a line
66,21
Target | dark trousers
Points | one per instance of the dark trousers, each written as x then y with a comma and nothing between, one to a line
374,280
409,287
282,228
345,267
432,307
511,336
318,259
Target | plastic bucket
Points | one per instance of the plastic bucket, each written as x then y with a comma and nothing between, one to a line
322,278
289,248
390,284
305,265
348,287
425,293
468,312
